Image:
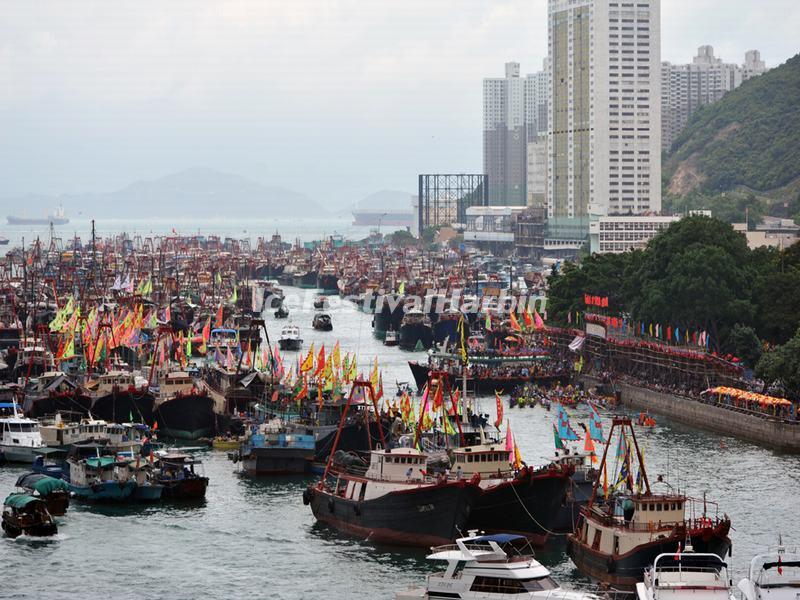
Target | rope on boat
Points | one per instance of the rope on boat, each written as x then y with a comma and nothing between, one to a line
525,508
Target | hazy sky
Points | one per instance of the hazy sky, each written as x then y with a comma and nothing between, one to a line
336,99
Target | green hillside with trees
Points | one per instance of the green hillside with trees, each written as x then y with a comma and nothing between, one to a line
746,146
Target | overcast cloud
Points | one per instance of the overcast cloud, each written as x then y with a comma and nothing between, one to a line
336,99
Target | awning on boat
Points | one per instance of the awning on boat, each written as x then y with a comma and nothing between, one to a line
20,500
762,399
41,484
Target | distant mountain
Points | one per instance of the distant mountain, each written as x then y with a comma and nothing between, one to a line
749,140
197,192
381,200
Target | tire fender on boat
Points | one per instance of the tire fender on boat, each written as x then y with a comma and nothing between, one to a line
330,504
307,493
611,565
357,509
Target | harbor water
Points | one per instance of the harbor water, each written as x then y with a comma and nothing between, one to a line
254,538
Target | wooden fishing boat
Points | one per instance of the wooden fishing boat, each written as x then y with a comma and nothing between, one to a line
55,492
620,533
26,515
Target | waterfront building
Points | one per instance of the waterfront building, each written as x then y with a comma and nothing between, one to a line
687,87
604,112
614,234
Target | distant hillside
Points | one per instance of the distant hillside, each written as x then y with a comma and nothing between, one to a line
194,192
748,140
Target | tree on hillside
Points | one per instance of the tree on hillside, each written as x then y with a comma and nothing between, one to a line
695,274
781,366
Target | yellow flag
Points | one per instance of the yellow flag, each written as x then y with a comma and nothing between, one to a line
337,358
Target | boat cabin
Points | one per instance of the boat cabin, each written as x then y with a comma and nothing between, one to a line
398,464
173,383
629,521
20,432
115,381
59,433
223,338
92,429
488,460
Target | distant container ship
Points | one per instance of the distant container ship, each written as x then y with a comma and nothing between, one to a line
57,218
397,218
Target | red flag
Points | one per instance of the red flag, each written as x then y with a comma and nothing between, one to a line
218,322
499,402
678,553
514,323
526,316
780,566
320,361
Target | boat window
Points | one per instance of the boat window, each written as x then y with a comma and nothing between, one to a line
672,506
680,505
469,458
658,506
538,584
643,506
497,585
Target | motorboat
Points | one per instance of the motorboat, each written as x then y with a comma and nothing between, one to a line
391,338
773,575
322,322
290,338
490,566
686,575
20,438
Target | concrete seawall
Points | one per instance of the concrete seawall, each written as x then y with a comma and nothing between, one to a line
776,434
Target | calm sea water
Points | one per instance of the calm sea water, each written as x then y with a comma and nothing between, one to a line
255,539
239,228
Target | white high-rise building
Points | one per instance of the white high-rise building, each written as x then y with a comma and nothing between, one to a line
687,87
604,133
753,65
504,138
537,94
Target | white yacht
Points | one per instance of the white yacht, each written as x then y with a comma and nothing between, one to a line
19,438
773,575
491,566
686,576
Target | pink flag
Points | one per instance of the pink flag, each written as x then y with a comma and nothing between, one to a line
509,442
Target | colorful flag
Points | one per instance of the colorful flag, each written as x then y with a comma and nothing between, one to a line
499,404
514,323
557,438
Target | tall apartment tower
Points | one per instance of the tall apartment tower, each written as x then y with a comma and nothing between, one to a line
504,137
687,87
537,95
753,65
604,133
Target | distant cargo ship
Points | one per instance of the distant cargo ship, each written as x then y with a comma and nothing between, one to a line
397,218
57,218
